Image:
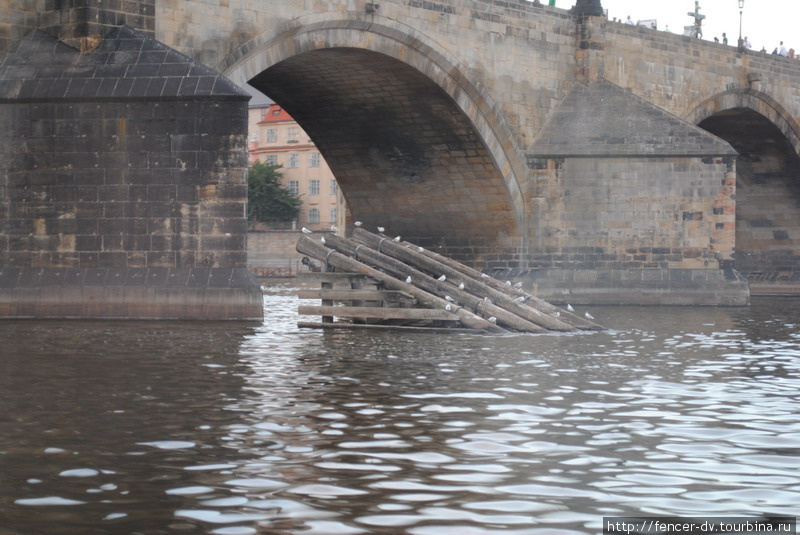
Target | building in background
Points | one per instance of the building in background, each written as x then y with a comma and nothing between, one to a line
274,137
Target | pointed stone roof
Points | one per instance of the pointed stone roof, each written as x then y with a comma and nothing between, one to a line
603,120
127,64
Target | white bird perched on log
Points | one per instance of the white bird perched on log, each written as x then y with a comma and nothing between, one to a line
420,249
322,240
508,283
461,286
381,229
492,319
521,298
518,285
442,278
304,230
358,223
397,238
448,307
484,275
569,307
449,298
408,279
588,316
334,228
556,314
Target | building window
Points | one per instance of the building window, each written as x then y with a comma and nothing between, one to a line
334,187
294,161
293,134
313,188
333,215
294,187
272,159
313,216
313,159
271,135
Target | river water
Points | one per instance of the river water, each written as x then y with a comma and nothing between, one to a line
231,429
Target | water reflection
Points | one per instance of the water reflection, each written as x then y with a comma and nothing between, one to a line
153,428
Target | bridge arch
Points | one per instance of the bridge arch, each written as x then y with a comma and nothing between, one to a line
767,182
416,146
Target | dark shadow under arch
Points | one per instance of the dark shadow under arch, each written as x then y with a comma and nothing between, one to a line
767,195
405,155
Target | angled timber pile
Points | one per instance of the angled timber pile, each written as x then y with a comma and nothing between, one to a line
372,281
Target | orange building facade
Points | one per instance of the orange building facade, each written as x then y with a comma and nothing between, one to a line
274,137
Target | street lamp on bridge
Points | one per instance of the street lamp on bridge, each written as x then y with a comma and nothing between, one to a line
741,41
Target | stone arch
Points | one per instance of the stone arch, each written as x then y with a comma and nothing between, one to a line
745,98
767,184
474,168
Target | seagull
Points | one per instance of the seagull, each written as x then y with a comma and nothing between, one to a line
420,249
569,307
322,240
408,279
448,307
397,238
449,298
588,316
381,229
442,278
305,230
521,298
493,319
557,314
334,228
461,286
508,283
484,275
358,223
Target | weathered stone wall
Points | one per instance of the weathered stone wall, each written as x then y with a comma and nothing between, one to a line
76,19
685,76
17,18
122,183
635,213
131,184
271,253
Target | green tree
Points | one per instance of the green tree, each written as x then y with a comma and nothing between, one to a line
267,199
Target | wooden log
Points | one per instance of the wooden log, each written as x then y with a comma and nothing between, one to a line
509,290
399,269
382,327
339,261
356,295
380,313
473,286
333,277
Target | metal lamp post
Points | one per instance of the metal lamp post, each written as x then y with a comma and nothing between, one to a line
741,41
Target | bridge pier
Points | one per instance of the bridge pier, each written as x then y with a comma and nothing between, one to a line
122,183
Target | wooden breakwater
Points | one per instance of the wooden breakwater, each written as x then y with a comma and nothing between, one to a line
372,281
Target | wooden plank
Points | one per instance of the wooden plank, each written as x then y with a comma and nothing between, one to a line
402,328
378,313
313,277
350,295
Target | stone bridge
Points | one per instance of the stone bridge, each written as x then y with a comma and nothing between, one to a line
603,163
